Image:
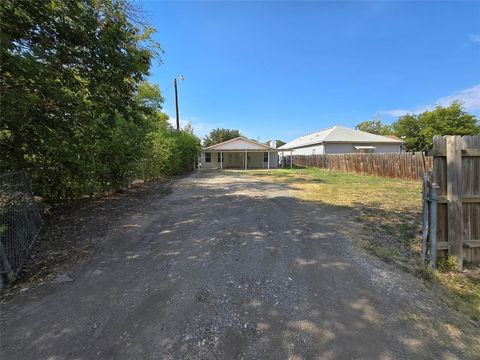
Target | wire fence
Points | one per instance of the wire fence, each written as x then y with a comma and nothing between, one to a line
20,222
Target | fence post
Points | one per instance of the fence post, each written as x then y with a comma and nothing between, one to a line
454,197
424,215
433,224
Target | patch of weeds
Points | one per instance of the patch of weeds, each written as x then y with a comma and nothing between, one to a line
258,173
386,253
446,264
361,218
280,174
386,227
462,289
465,288
451,332
426,272
408,231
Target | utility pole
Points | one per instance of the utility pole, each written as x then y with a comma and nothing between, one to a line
176,103
176,100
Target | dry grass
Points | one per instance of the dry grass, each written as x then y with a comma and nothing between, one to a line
450,335
389,214
464,289
388,209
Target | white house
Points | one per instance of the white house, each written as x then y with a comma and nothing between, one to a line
239,153
341,140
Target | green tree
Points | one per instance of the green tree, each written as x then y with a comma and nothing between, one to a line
220,135
374,126
149,97
418,130
77,113
169,151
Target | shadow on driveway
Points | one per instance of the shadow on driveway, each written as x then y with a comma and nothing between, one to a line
225,267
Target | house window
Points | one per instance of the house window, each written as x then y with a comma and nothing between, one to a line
220,157
365,149
208,157
265,157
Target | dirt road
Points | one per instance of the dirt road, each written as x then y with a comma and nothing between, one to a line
226,267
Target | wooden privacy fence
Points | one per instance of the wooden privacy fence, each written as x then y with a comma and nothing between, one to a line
395,165
456,175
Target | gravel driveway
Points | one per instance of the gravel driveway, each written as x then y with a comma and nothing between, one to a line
225,267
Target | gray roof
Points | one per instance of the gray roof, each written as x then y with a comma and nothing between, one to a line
339,134
239,143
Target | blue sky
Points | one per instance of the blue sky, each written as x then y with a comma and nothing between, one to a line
284,69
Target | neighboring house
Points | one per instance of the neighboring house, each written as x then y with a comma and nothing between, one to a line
341,140
239,153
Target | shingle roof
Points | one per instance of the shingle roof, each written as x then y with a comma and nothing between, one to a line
239,143
339,134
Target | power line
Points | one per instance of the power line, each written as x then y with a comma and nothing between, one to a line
167,88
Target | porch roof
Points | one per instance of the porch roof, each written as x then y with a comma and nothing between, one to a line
240,144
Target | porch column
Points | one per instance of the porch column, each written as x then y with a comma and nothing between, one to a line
291,158
246,159
283,159
221,160
268,163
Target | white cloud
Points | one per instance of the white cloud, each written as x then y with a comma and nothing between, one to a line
474,38
470,98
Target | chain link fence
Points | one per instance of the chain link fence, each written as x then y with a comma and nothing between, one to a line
20,222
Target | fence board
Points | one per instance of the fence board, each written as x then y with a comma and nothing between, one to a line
457,172
454,196
395,165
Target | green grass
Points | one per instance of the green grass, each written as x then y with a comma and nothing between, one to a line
387,209
388,212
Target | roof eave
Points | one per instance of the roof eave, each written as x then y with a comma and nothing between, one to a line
363,142
266,147
342,142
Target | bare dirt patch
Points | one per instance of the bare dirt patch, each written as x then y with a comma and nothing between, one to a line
71,232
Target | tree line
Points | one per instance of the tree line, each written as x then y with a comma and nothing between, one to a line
418,130
77,111
220,135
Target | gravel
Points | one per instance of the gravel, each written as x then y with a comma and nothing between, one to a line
225,267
